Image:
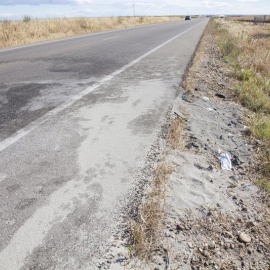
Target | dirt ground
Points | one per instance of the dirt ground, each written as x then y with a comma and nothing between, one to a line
216,219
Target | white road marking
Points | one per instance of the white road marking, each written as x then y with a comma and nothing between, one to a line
110,38
32,126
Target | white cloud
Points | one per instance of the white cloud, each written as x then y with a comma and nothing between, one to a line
248,1
222,4
46,8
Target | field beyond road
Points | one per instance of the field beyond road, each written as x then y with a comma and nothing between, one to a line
16,33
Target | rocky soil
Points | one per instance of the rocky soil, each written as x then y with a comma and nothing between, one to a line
215,218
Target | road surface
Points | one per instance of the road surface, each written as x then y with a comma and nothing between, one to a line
77,121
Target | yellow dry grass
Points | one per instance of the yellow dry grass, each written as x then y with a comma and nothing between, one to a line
147,230
246,47
254,41
15,33
244,18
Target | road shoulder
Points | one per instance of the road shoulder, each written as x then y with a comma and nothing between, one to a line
213,218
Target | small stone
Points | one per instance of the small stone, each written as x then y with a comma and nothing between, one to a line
190,245
180,227
195,145
228,234
245,238
206,253
251,224
212,245
220,96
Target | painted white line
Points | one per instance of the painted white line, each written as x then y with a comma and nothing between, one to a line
110,38
32,126
82,36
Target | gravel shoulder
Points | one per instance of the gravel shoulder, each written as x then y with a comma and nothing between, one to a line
215,218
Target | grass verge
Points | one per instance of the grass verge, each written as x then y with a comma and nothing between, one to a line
146,230
16,33
245,48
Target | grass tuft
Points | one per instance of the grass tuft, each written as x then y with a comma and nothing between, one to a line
264,184
261,128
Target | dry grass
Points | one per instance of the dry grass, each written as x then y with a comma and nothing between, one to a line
246,49
254,43
15,33
176,139
245,18
146,231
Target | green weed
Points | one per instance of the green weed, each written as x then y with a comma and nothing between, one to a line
26,19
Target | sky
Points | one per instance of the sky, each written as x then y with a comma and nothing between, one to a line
16,9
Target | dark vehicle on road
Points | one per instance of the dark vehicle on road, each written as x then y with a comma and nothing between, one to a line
188,18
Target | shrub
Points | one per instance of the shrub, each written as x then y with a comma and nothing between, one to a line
244,75
119,19
261,128
26,19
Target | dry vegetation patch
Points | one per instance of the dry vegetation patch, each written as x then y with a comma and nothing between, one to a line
245,47
15,33
146,232
212,219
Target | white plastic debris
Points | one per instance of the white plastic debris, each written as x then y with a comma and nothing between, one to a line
225,161
205,98
210,109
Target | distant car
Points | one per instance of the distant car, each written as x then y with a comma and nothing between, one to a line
187,18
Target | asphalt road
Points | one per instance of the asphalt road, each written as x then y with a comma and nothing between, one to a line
77,121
